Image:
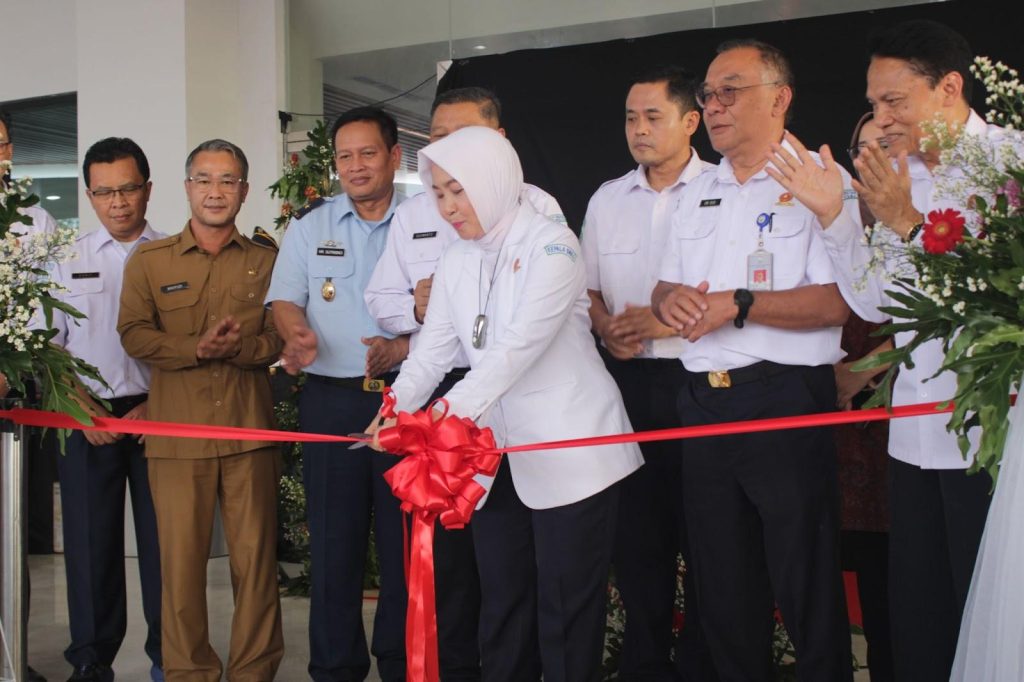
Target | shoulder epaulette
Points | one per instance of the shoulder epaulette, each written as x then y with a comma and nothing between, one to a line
305,210
261,237
159,244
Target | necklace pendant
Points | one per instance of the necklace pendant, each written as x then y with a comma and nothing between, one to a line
479,331
327,290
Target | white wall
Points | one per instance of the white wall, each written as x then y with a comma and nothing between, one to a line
39,46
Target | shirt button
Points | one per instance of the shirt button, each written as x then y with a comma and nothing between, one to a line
217,403
252,295
213,317
213,290
216,374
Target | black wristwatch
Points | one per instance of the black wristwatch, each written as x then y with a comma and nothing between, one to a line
743,300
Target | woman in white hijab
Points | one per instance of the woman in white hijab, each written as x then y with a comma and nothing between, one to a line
512,294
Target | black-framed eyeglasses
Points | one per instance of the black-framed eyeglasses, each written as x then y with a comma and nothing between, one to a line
108,193
226,185
725,94
855,150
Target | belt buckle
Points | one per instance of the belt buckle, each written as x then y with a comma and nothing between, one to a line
373,385
720,379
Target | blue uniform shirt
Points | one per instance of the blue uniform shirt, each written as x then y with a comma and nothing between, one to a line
332,243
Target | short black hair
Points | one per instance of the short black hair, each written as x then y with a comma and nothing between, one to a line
680,84
5,118
111,149
490,105
772,57
933,50
385,122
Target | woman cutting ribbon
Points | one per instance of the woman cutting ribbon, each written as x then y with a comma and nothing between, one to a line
511,293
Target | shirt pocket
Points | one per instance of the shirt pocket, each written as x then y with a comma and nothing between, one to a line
423,257
177,311
247,307
85,287
788,243
695,247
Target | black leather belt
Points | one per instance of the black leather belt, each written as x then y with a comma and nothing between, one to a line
457,373
122,406
727,378
374,385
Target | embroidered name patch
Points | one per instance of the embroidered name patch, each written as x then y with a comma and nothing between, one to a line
85,275
849,194
705,203
329,251
553,249
424,235
171,288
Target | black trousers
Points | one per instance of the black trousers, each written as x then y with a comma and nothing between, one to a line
544,580
762,511
457,594
345,489
92,496
652,531
937,520
867,554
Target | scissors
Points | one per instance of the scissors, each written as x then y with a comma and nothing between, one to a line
366,439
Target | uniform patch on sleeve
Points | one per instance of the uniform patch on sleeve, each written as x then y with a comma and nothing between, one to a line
553,249
558,218
849,195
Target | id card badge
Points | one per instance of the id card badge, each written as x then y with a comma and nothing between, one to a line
759,270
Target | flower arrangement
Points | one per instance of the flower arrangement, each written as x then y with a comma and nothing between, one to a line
306,177
965,287
26,290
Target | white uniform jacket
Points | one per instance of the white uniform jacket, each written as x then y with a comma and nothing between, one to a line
538,376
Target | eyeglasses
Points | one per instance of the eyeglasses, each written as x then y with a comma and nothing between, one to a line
855,151
107,193
725,94
225,185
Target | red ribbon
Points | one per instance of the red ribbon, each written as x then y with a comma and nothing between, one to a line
434,480
435,477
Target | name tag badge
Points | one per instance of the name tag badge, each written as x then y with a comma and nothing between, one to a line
171,288
424,235
336,251
85,275
705,203
759,270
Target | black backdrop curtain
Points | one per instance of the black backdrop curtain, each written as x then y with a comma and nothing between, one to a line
563,108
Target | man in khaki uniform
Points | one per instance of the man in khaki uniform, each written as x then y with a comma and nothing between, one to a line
192,308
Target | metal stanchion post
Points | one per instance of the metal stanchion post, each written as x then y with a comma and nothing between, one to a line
13,653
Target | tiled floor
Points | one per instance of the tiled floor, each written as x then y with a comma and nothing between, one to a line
48,625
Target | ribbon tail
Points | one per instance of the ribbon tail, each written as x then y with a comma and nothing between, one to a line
421,621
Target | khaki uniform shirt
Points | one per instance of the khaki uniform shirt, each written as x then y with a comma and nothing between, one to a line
173,293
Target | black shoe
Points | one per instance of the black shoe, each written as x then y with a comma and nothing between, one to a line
92,672
33,676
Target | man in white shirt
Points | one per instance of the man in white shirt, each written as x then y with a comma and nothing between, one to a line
97,466
42,221
918,73
747,281
397,296
623,238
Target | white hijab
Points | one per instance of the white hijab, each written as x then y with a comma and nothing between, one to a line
488,168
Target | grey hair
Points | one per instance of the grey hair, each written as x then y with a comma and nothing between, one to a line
219,145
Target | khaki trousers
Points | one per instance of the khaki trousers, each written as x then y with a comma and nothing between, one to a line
184,494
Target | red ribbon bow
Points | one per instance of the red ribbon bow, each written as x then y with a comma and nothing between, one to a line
434,480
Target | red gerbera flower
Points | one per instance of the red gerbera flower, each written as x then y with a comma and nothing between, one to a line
943,231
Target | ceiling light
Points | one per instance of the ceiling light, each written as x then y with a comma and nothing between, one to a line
479,47
52,197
